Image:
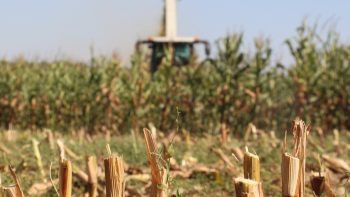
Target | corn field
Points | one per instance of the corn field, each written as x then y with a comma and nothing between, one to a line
235,89
51,164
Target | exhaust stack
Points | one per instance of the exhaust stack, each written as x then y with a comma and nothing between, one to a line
170,19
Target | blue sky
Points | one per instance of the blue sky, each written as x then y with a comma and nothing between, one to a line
47,29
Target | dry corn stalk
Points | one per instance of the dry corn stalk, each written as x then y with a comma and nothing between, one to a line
247,188
50,138
251,129
187,136
114,173
38,189
300,132
238,154
153,130
251,166
65,150
159,176
320,185
336,164
224,133
10,135
65,178
13,190
84,177
290,170
92,175
37,154
289,166
80,174
224,158
336,140
4,149
65,172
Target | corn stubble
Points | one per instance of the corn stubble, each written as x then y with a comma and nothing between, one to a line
251,166
114,174
159,176
12,190
320,184
91,165
65,172
293,165
290,170
250,185
65,178
247,188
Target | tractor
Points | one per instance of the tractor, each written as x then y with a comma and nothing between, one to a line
181,49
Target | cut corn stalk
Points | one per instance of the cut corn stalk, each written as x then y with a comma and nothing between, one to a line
290,170
317,184
320,185
38,158
114,174
92,175
251,129
336,164
247,188
61,149
238,154
84,177
11,191
300,132
293,174
159,176
187,136
251,166
224,133
4,149
65,178
50,138
65,150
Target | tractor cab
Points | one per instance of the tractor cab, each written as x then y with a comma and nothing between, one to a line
181,51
